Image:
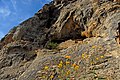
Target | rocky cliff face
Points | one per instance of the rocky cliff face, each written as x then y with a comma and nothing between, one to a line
79,28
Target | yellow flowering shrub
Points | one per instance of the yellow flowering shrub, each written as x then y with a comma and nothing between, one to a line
69,68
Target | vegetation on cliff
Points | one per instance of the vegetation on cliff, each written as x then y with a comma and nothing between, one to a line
65,40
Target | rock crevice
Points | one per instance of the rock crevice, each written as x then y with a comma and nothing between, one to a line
77,27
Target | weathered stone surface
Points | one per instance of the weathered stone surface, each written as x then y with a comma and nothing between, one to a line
78,26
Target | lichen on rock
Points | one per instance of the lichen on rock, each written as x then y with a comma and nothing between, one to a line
87,31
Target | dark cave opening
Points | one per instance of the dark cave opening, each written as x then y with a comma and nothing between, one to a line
119,27
118,34
119,31
52,44
77,37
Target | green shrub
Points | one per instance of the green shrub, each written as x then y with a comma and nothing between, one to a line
52,45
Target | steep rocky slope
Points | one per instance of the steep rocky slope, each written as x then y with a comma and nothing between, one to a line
86,32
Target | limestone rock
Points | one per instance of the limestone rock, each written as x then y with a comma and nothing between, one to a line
80,28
